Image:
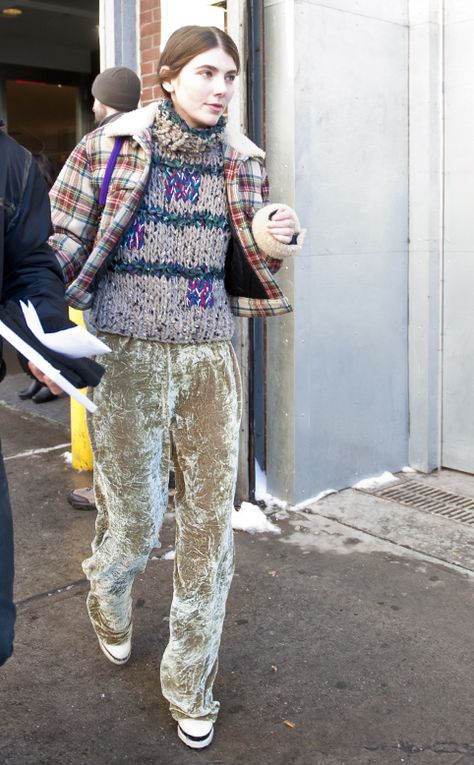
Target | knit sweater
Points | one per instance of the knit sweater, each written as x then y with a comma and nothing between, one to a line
166,280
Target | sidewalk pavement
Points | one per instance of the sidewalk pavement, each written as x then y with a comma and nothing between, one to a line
347,639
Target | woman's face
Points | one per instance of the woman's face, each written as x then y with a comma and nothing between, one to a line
203,88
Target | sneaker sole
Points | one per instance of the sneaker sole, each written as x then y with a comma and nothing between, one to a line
195,742
111,657
79,503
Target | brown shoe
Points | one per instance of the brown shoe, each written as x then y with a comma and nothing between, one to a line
82,499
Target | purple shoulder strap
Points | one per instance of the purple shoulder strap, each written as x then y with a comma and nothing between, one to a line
109,170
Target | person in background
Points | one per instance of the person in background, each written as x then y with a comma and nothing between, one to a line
36,391
185,240
28,271
46,168
115,90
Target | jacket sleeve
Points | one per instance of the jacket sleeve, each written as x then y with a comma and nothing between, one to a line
31,271
254,188
75,212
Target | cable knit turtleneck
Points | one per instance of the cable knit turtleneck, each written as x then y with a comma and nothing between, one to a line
166,281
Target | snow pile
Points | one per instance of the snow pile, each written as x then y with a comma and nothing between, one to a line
376,482
271,501
261,494
307,502
250,518
170,555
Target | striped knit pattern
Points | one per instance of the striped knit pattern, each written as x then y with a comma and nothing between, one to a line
166,280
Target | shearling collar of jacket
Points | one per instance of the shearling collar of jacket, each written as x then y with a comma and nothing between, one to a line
141,120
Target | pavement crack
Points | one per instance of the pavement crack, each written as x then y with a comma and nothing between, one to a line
439,747
434,558
71,588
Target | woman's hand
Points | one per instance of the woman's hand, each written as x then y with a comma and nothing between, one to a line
281,225
44,379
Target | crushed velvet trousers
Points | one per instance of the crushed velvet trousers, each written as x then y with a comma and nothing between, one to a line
156,398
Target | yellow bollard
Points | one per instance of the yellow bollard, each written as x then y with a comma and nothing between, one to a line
80,444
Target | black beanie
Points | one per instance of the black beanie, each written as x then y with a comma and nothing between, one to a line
118,87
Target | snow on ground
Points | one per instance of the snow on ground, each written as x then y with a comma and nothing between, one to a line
170,555
261,495
303,505
250,518
376,482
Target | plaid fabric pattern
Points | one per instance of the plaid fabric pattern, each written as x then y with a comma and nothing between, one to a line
85,235
247,191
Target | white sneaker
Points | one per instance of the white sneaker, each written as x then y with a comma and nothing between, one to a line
195,733
117,654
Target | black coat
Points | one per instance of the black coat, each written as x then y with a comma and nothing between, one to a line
28,266
28,270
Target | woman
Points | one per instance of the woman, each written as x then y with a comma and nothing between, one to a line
164,265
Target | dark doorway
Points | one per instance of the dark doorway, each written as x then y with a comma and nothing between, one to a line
43,117
49,55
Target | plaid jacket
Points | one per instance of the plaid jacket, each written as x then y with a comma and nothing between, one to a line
85,234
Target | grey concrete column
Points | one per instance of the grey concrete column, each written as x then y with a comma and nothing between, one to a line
118,24
280,144
236,27
426,231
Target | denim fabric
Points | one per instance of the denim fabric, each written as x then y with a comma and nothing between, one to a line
7,608
155,397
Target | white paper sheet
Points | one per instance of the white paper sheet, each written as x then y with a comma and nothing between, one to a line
44,366
74,343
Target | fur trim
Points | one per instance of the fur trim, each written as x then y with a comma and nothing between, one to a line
136,122
132,123
241,143
266,242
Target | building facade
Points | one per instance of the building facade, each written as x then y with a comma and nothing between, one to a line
365,109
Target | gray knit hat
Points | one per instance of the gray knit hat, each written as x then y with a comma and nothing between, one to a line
118,87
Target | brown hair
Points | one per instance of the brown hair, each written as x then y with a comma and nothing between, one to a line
186,43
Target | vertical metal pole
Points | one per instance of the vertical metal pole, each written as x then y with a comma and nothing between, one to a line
256,133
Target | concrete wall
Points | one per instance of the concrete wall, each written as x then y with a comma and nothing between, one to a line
337,113
426,231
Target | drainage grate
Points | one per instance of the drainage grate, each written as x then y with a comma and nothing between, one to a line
423,497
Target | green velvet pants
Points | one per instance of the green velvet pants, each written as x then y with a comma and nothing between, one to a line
155,397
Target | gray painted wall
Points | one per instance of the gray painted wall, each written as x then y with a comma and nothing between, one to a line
337,112
118,43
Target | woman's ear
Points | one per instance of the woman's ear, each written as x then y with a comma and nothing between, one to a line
166,84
